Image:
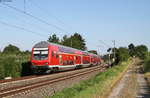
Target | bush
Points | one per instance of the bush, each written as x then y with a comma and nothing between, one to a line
26,69
147,63
1,71
11,65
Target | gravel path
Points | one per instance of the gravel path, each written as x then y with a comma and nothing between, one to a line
132,84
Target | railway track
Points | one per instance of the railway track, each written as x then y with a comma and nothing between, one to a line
62,77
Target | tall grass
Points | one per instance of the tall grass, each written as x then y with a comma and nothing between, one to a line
11,64
99,85
147,63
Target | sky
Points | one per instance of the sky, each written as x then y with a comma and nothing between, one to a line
98,21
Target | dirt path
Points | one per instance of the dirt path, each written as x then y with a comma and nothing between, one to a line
132,85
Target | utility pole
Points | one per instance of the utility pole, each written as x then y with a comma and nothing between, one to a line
114,50
109,52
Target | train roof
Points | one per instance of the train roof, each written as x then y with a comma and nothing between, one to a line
45,44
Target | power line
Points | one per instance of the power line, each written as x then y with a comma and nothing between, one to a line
48,13
15,16
36,18
21,28
105,43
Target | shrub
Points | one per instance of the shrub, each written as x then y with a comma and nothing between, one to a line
11,65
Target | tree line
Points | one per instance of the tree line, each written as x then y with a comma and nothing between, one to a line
74,41
124,53
16,63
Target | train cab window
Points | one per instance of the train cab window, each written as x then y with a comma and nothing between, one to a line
40,54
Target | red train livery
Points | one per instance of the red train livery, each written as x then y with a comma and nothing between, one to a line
47,57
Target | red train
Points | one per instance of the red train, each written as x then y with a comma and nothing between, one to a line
47,57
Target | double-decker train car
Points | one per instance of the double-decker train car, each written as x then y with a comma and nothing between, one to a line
47,57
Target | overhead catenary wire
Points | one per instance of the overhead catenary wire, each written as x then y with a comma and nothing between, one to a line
34,17
22,28
15,16
48,13
105,44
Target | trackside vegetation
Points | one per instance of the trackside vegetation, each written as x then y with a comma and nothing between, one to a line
146,68
98,86
147,63
14,63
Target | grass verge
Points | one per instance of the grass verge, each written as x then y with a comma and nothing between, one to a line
146,68
98,86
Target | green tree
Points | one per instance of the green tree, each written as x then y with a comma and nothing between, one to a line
74,41
54,39
66,41
2,71
11,49
123,54
132,51
141,51
82,44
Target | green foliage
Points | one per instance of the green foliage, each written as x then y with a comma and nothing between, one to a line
11,65
54,39
2,73
138,51
11,49
26,68
147,63
78,42
132,51
141,51
74,41
90,87
122,54
93,51
66,41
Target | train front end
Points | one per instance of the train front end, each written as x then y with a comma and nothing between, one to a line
40,58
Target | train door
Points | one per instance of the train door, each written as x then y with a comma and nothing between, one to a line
54,58
78,60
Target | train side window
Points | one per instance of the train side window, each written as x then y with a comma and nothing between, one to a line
60,59
76,57
57,55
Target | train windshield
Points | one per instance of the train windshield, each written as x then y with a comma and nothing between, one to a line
40,54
